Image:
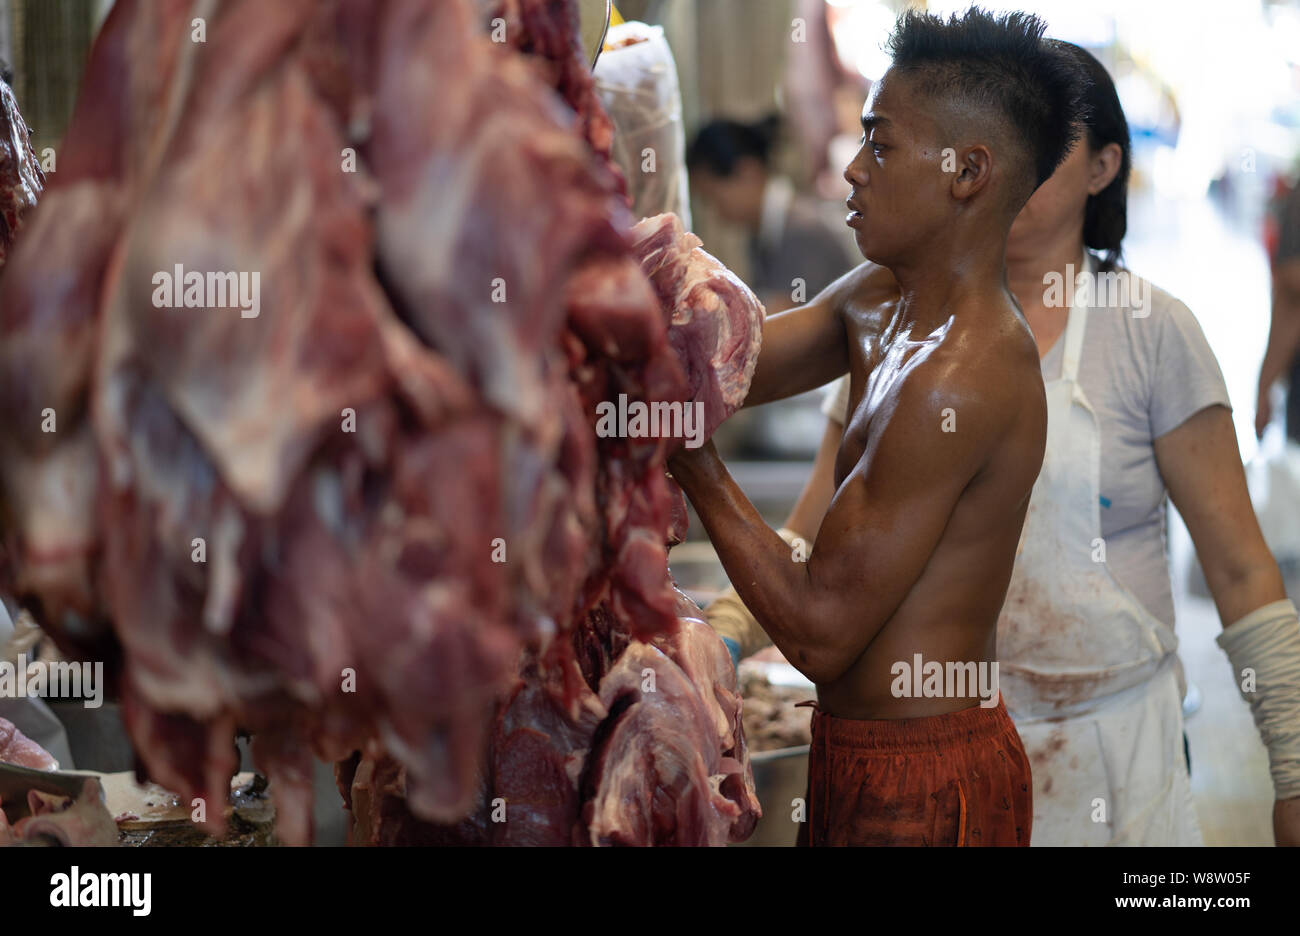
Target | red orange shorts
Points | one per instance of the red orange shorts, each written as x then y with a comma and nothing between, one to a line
956,779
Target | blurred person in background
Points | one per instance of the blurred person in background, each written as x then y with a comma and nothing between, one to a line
1137,410
794,253
1282,356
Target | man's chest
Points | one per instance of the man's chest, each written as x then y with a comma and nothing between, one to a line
879,368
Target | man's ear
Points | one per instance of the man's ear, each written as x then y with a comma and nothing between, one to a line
974,168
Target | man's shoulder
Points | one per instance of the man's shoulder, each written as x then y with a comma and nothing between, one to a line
991,346
864,292
953,383
977,376
870,280
964,370
949,412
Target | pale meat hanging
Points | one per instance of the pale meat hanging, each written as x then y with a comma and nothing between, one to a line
287,523
21,177
17,748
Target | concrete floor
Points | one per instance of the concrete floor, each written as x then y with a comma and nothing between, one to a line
1230,779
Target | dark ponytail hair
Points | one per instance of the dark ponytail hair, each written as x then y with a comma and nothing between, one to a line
721,144
1105,217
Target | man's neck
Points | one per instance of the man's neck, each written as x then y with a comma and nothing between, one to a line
949,278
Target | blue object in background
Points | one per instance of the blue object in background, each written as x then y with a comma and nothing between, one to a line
733,648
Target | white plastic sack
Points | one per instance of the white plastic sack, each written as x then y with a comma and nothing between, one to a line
636,79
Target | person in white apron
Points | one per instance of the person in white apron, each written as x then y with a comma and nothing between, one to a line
1090,676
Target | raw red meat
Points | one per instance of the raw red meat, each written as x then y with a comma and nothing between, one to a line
374,520
548,31
21,178
656,756
17,748
680,521
717,322
692,785
655,777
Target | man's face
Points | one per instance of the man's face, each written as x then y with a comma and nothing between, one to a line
901,191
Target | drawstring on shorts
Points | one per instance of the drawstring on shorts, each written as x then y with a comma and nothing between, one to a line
816,759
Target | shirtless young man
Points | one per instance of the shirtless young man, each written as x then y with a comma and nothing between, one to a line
940,454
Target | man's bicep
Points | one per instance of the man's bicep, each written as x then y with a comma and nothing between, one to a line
806,347
803,347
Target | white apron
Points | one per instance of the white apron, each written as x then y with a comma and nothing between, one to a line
1090,677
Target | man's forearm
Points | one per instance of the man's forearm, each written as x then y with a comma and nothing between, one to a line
735,623
762,567
727,614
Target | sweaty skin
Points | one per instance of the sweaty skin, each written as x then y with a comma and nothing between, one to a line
944,442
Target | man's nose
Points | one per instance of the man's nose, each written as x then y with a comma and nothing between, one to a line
854,175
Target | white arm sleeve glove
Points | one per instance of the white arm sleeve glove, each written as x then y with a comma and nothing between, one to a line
1264,649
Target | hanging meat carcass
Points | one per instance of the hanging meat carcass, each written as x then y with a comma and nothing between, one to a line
355,502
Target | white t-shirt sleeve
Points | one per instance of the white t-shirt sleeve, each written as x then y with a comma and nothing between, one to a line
1185,377
835,400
